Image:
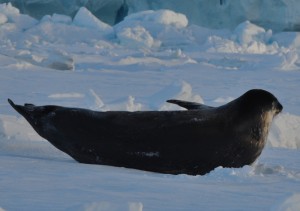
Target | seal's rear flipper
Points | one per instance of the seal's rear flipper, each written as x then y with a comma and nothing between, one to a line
189,105
27,111
31,112
16,107
26,106
11,102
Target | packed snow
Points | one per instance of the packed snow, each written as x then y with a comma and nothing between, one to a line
138,64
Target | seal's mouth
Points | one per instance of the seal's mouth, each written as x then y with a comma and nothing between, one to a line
278,108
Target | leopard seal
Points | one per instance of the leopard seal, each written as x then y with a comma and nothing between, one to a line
192,141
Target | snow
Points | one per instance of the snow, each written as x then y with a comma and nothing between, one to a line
292,203
138,64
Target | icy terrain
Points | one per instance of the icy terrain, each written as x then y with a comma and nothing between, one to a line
279,15
137,65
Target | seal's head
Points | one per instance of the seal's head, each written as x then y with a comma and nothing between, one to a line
261,101
257,108
266,100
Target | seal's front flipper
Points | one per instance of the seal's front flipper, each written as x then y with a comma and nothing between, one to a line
189,105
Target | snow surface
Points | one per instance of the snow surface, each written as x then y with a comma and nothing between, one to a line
137,65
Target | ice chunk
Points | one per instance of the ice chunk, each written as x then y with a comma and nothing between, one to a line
151,28
3,18
59,61
132,106
247,32
288,39
165,17
59,29
85,18
9,10
57,18
246,38
10,14
290,60
55,59
128,104
95,102
135,37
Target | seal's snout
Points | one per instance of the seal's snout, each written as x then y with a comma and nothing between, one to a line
279,107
